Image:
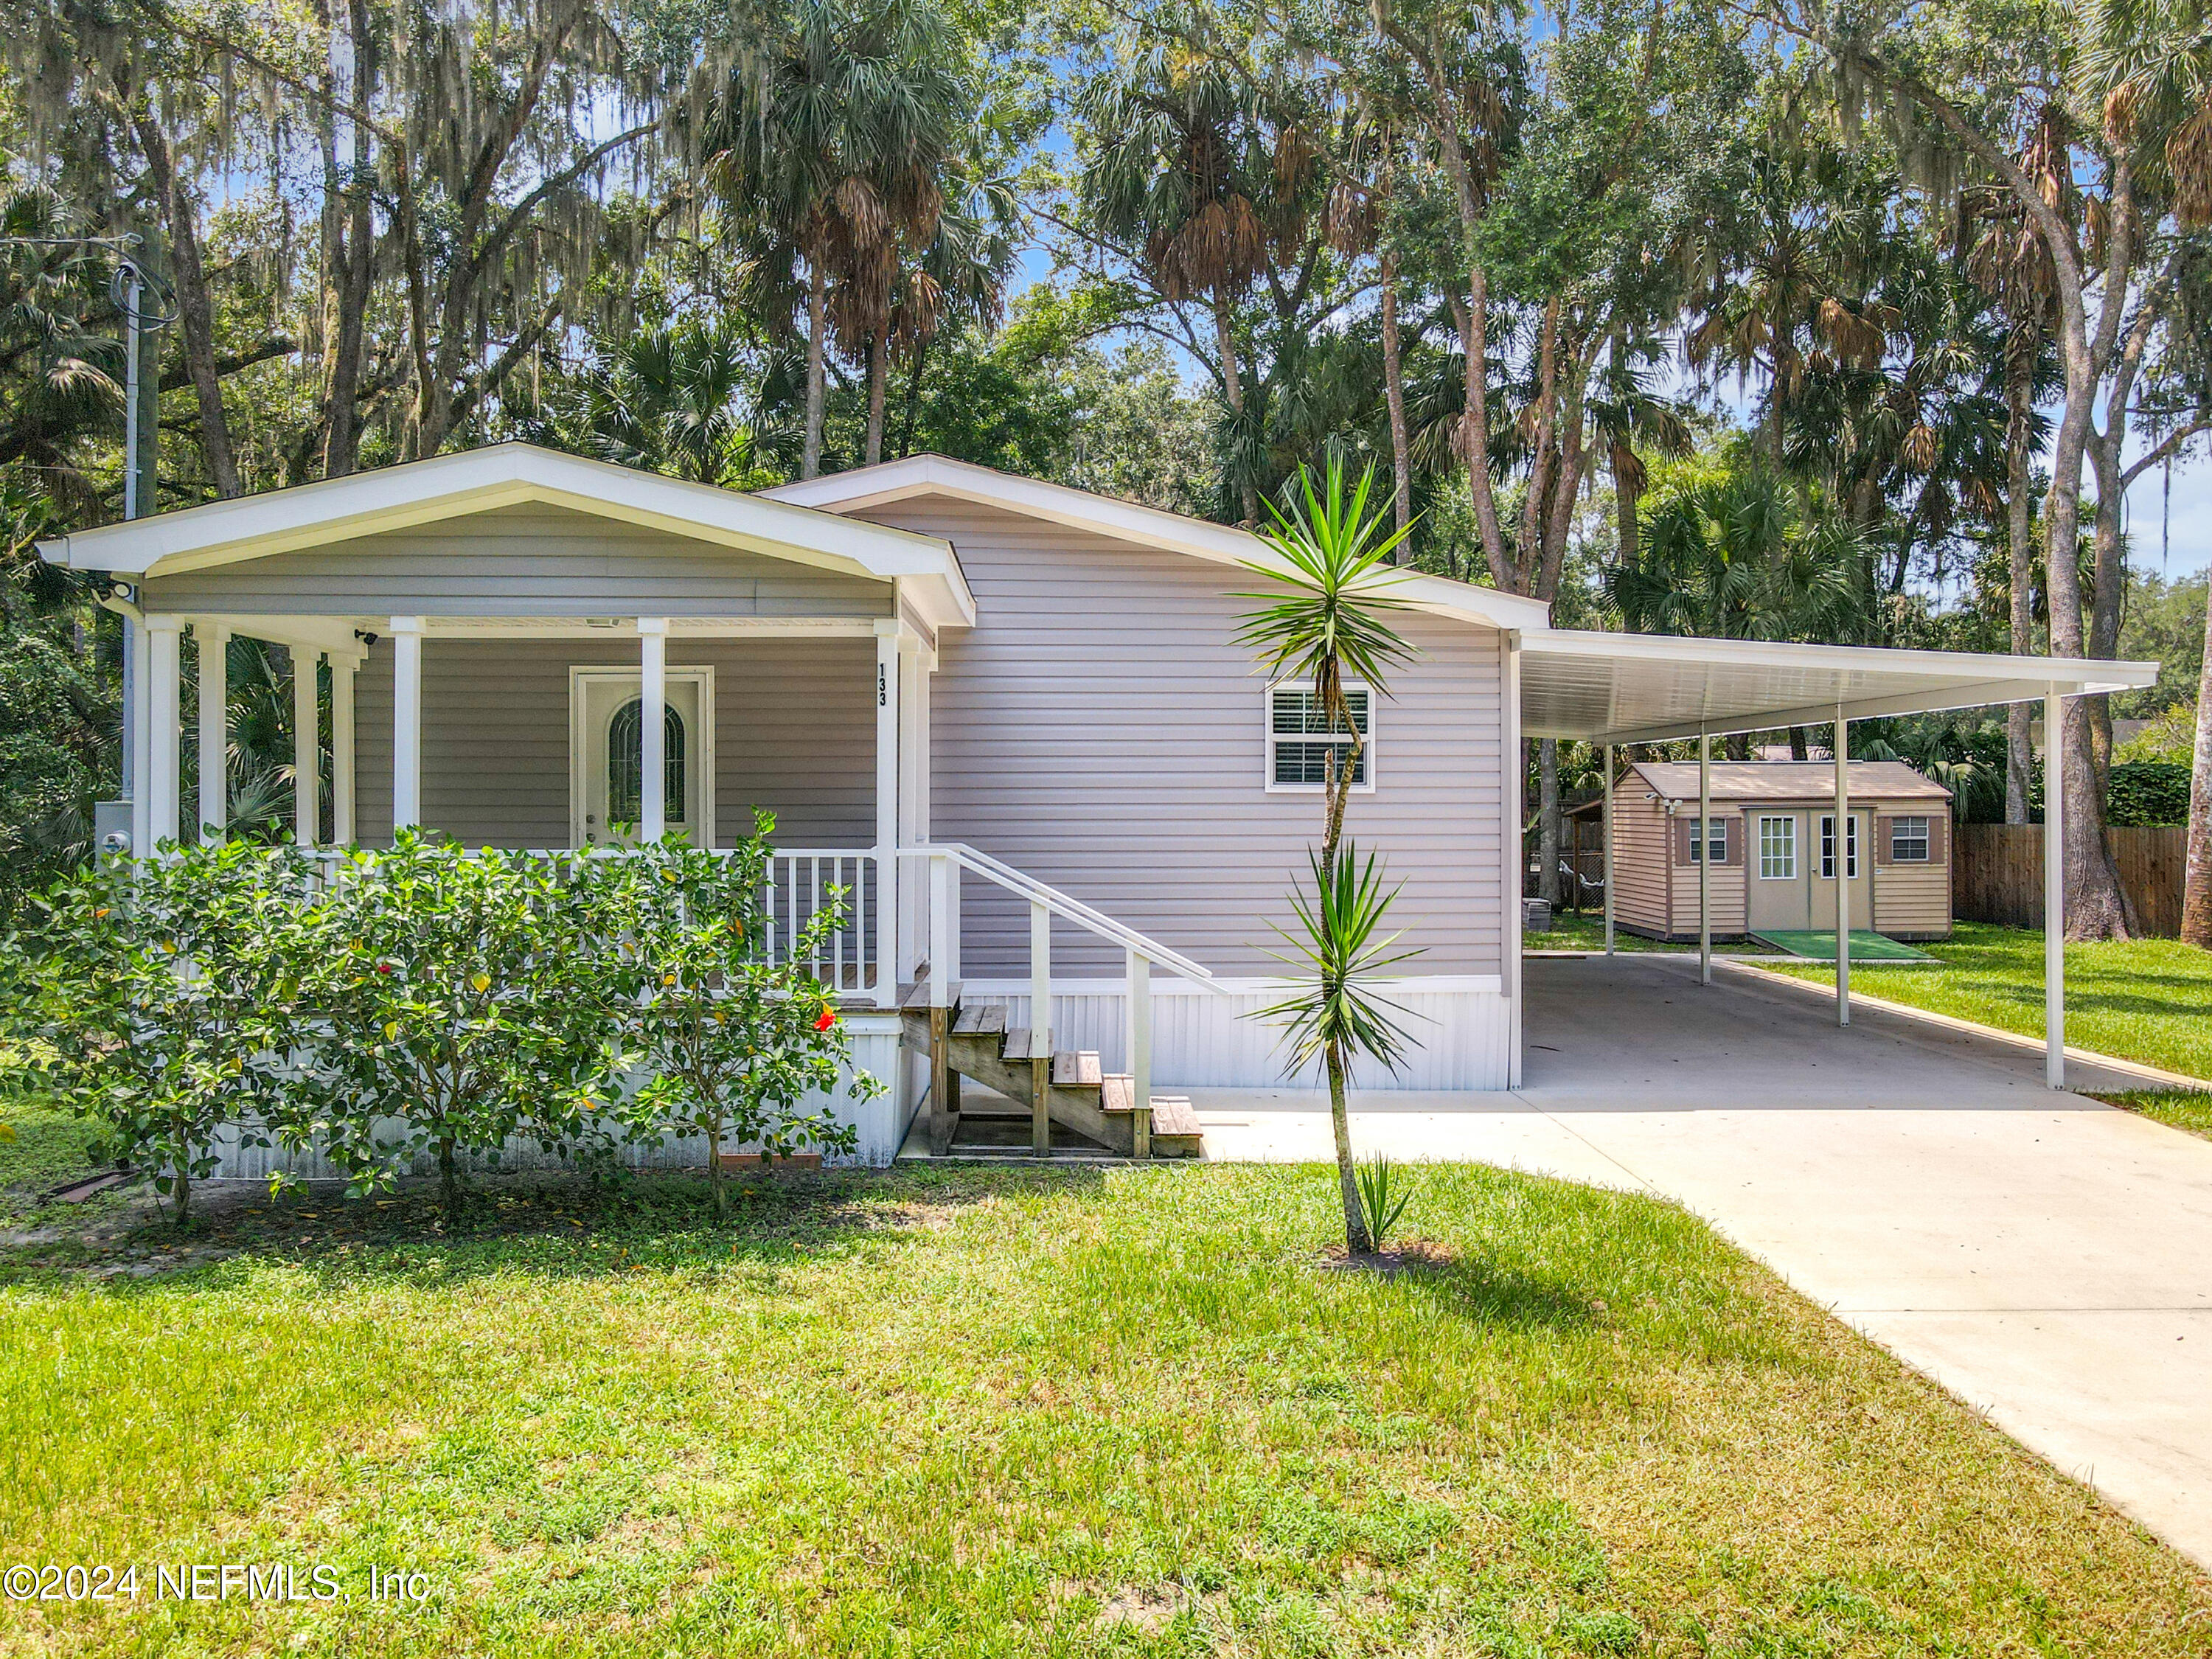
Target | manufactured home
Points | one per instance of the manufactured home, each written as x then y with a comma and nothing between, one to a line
1771,838
1008,717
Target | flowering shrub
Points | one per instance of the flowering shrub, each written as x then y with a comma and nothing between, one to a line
736,1046
164,998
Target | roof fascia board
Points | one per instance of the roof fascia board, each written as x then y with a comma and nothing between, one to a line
1148,526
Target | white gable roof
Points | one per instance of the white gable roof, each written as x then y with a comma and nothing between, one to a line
416,493
1148,526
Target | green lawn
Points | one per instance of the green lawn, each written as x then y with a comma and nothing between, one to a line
1023,1412
2148,1000
1586,932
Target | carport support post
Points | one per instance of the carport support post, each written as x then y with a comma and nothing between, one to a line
1844,869
1608,850
1702,843
2054,895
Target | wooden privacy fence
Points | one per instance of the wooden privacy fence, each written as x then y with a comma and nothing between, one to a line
1997,874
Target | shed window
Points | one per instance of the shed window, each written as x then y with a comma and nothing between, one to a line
1716,838
626,764
1777,849
1908,840
1300,742
1828,846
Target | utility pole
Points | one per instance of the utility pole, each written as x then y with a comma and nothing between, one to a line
136,287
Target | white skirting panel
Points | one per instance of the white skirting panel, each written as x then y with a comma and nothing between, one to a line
1458,1031
881,1123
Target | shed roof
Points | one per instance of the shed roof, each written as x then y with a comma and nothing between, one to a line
1790,779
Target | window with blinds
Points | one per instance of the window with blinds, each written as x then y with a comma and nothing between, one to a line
1300,739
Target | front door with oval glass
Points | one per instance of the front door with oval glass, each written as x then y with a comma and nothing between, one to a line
606,745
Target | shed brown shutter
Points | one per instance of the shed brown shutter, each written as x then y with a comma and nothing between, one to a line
1939,837
1685,841
1732,840
1885,826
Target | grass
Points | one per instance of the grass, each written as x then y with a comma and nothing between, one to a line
2191,1111
1014,1412
2148,1000
1586,932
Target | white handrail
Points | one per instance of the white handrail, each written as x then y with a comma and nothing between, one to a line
1060,904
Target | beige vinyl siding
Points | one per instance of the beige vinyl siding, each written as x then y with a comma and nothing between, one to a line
521,561
795,730
1099,729
1727,896
1639,863
1914,901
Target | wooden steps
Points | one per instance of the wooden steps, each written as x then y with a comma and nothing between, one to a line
1065,1087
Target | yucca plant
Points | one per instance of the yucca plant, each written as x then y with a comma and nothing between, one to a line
1325,618
1333,1014
1385,1193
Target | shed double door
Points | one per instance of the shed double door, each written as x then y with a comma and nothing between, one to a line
1789,870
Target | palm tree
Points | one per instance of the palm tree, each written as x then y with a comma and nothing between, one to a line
1326,618
831,139
682,399
960,275
1204,181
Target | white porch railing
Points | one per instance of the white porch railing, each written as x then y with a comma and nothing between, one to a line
945,860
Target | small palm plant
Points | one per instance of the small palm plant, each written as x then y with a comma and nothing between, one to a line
1327,619
1333,1013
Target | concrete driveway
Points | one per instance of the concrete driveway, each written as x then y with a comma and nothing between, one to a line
2045,1258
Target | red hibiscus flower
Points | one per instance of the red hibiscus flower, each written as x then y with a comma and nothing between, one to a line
826,1019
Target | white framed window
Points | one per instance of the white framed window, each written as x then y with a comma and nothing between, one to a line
1828,846
1909,839
1778,848
1300,742
1712,843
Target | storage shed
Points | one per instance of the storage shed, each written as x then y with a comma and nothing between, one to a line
1772,842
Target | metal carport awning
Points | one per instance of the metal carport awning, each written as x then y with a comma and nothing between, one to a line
1614,688
1646,688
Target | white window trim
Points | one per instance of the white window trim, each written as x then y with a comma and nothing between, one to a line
1701,846
1927,836
1268,737
1821,858
579,745
1791,819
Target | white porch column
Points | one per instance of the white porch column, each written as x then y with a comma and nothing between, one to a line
1140,1036
1703,842
2054,892
653,727
1608,822
1843,868
887,667
406,722
215,727
1515,858
341,669
165,725
915,661
306,746
137,734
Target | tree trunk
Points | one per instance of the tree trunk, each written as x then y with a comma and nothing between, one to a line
349,232
817,304
2020,406
1549,822
879,374
1232,389
1393,390
1798,747
1358,1241
183,1202
1627,494
194,309
449,1181
1543,466
2196,881
912,399
1475,424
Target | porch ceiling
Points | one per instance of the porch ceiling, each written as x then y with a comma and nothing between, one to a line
1642,688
